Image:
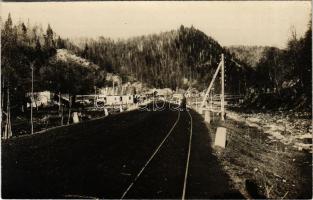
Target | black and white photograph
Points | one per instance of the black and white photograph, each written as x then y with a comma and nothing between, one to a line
156,99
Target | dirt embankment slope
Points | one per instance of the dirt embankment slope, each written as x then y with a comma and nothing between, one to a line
262,166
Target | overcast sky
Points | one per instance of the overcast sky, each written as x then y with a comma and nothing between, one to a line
230,23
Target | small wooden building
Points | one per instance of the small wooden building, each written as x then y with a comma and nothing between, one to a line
118,99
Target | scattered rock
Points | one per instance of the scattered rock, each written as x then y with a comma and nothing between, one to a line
283,126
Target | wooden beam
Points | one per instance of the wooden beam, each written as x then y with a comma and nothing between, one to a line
211,84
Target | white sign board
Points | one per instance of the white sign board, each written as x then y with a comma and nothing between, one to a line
200,111
220,137
75,118
106,113
207,116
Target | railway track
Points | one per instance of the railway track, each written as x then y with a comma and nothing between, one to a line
188,158
141,154
149,165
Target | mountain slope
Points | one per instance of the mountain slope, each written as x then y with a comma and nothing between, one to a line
248,54
178,58
66,56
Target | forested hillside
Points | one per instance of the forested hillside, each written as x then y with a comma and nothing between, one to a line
251,55
26,47
178,58
283,77
175,59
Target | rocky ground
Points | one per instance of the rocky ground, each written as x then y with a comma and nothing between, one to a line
290,128
267,155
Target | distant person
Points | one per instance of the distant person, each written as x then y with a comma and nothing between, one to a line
183,103
135,100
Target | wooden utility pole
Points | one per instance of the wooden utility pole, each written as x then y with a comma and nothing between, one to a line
69,108
8,131
221,67
59,102
31,100
222,92
9,116
62,111
95,99
2,94
113,88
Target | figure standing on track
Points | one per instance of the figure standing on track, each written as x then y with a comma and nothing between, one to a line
183,103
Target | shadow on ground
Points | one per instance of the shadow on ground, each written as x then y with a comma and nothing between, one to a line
91,159
206,176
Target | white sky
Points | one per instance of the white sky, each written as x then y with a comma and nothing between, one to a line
230,23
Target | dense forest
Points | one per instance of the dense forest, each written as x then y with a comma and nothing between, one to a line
27,48
175,59
283,77
251,55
